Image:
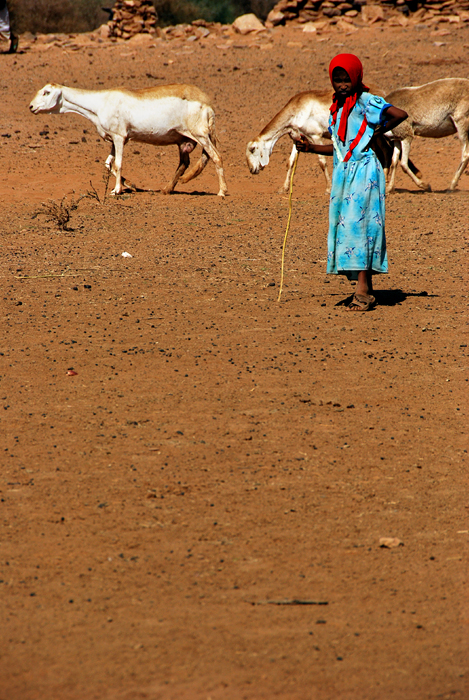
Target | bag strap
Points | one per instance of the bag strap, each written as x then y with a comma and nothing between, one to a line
356,140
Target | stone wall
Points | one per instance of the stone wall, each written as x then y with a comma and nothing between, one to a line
394,11
131,17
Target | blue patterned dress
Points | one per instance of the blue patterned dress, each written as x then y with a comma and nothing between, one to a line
356,239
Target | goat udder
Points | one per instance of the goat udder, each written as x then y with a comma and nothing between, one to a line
188,146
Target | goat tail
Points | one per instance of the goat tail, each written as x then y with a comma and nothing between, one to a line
196,169
211,129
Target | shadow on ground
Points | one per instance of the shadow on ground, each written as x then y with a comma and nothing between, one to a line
389,297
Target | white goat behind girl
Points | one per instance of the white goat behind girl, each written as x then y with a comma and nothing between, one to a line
306,114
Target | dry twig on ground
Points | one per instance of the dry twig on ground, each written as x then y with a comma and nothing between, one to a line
58,213
93,192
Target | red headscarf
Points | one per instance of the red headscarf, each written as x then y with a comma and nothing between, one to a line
350,63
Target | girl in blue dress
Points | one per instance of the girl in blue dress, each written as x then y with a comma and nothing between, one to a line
356,241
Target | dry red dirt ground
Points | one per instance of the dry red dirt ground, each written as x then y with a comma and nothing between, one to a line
219,455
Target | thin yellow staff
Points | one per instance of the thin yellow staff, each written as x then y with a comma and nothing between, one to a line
288,224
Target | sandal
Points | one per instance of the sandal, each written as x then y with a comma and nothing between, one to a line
362,302
13,44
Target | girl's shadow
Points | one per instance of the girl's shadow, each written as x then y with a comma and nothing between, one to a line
393,297
389,297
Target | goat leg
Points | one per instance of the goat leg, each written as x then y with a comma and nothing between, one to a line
196,169
464,138
184,162
124,182
212,152
406,143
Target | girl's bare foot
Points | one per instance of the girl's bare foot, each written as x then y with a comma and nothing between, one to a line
364,283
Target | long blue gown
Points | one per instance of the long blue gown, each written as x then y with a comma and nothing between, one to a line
356,239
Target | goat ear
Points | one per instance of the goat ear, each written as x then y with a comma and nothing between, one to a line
264,157
55,92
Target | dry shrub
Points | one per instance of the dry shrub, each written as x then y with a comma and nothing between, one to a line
224,11
58,213
261,8
186,11
56,16
74,16
93,192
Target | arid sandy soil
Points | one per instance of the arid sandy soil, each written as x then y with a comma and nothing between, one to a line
218,455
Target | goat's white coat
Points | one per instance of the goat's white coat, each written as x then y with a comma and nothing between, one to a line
436,110
163,115
306,114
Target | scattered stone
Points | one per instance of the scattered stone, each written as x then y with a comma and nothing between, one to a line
104,31
390,542
344,26
245,24
274,18
372,13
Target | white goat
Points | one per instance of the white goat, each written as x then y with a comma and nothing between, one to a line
435,110
179,114
306,114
